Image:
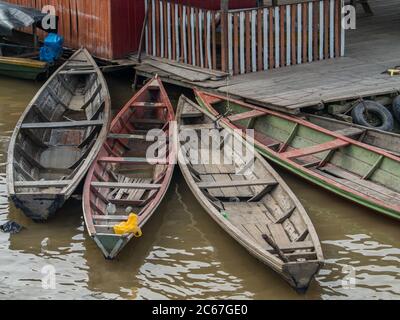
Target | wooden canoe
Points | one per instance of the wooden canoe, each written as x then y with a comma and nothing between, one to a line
58,136
364,174
257,209
388,141
122,175
22,68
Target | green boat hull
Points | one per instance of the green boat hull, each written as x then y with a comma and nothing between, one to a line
329,187
310,177
21,72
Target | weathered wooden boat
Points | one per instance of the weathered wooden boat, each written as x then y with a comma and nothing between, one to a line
256,208
388,141
123,179
22,68
58,136
364,174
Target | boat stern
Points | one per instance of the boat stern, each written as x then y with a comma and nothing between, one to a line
300,274
38,207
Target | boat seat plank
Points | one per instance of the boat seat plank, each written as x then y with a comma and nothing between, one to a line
42,184
161,105
208,126
119,185
153,87
293,246
78,65
110,217
246,115
130,160
126,136
330,145
350,132
57,125
246,183
147,121
301,255
126,202
77,72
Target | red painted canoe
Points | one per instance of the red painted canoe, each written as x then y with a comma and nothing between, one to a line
362,173
123,179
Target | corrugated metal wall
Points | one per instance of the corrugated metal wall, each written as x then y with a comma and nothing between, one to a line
127,22
82,23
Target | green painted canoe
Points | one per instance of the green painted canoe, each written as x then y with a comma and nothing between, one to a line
362,173
22,68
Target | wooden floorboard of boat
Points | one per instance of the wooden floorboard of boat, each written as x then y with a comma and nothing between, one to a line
366,187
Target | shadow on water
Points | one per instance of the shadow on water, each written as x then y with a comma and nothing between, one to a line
183,253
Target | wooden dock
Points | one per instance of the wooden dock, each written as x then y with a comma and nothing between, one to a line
372,48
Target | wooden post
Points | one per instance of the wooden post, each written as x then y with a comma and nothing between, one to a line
142,36
224,34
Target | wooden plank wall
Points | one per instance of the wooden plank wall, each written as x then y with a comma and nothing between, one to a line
258,38
267,38
81,23
182,33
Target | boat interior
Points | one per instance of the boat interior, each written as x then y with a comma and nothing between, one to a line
252,200
384,140
123,180
60,128
353,166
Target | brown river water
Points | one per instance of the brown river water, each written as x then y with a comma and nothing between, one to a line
183,254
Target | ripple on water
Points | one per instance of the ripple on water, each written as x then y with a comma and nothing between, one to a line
362,269
171,273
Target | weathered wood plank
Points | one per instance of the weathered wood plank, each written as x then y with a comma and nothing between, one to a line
119,185
58,125
42,184
331,145
244,183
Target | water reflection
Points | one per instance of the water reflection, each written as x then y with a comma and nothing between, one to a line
183,253
374,267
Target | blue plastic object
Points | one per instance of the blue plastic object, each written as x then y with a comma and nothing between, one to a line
52,48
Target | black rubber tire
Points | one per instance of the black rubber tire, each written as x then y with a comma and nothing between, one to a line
376,108
396,108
